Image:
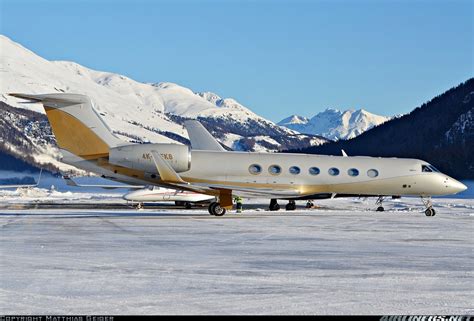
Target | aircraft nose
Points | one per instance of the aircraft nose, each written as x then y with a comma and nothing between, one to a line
455,186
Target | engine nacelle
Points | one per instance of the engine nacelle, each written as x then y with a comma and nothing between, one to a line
139,156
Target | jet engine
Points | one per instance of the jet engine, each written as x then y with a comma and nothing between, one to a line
139,156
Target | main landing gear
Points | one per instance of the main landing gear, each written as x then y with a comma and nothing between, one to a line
429,206
216,209
309,204
291,206
274,206
379,202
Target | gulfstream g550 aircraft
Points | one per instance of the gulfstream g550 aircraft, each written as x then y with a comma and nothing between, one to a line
87,143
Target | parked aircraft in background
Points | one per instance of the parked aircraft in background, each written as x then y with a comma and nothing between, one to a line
86,142
144,194
24,185
160,194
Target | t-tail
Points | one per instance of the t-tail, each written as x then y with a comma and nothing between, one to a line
78,129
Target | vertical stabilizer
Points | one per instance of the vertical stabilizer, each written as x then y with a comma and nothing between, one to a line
77,127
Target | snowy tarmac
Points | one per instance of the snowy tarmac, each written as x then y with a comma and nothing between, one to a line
340,258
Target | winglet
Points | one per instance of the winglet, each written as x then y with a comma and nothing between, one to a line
343,153
39,177
167,173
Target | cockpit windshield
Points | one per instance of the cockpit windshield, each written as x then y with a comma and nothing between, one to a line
429,169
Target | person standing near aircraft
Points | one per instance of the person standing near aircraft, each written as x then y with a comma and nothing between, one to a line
238,204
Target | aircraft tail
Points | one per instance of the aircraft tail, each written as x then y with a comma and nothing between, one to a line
76,125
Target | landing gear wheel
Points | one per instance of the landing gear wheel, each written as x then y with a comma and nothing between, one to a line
309,204
211,208
188,205
274,206
429,206
430,212
291,206
216,209
139,206
380,209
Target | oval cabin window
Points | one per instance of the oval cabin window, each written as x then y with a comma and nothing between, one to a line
255,169
314,171
295,170
274,170
353,172
372,173
333,171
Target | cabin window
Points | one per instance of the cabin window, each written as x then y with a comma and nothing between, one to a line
314,170
353,172
333,171
372,173
295,170
255,169
274,170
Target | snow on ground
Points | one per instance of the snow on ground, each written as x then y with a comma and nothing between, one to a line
339,258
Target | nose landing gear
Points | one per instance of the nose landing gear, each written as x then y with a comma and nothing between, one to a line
379,203
429,206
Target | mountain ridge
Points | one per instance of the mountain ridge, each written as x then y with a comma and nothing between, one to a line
136,112
335,124
440,131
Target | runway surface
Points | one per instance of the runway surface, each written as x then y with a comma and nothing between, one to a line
340,258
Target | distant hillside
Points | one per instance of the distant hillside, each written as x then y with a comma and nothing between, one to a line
440,132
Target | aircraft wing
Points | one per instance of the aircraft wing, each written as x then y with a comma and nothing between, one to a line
264,192
71,182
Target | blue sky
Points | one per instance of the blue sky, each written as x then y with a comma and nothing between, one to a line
275,57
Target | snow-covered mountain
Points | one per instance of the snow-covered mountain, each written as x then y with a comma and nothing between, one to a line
139,112
335,124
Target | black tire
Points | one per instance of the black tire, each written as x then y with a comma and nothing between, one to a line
274,206
216,209
211,208
290,207
380,209
188,205
430,212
